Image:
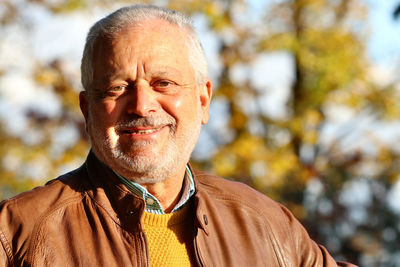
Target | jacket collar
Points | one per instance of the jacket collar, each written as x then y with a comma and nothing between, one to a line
124,207
112,196
201,220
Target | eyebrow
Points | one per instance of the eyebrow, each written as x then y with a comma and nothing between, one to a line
165,70
159,72
166,73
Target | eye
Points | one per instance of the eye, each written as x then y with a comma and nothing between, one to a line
163,83
114,91
165,86
118,88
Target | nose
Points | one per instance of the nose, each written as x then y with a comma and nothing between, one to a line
142,101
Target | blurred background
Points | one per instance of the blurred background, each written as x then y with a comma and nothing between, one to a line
306,106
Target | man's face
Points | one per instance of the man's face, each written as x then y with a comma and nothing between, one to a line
145,110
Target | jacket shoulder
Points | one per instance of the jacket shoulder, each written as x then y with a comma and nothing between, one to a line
30,205
252,214
242,200
222,187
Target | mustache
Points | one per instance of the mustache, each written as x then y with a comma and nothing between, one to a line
158,121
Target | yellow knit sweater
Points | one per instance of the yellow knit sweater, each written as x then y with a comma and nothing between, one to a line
170,238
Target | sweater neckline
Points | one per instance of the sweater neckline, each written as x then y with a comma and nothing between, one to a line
169,219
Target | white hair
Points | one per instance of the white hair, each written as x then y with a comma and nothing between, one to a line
129,16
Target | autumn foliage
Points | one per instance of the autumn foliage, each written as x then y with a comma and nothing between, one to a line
304,157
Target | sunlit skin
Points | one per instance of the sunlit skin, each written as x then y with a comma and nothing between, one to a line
144,73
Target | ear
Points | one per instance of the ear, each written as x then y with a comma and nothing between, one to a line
205,98
84,105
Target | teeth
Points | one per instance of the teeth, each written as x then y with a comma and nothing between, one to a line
148,131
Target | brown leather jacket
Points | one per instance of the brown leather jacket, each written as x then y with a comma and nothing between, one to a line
88,218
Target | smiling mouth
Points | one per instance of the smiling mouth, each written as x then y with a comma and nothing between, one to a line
142,131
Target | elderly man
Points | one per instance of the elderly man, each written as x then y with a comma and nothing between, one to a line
136,201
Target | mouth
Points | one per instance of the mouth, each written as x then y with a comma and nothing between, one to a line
142,131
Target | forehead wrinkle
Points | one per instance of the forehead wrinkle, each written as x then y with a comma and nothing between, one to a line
165,71
120,69
155,70
130,62
140,69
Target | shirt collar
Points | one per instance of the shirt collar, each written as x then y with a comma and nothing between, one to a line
153,205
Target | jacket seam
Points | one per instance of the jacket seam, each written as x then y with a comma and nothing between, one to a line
94,202
277,249
293,240
198,253
7,248
37,232
279,253
97,205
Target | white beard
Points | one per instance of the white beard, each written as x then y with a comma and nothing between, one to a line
145,168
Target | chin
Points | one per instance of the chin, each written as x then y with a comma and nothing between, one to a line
142,168
142,165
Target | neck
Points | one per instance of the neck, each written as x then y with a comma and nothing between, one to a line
168,192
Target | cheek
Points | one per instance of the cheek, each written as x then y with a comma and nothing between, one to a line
182,106
177,104
105,113
109,107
